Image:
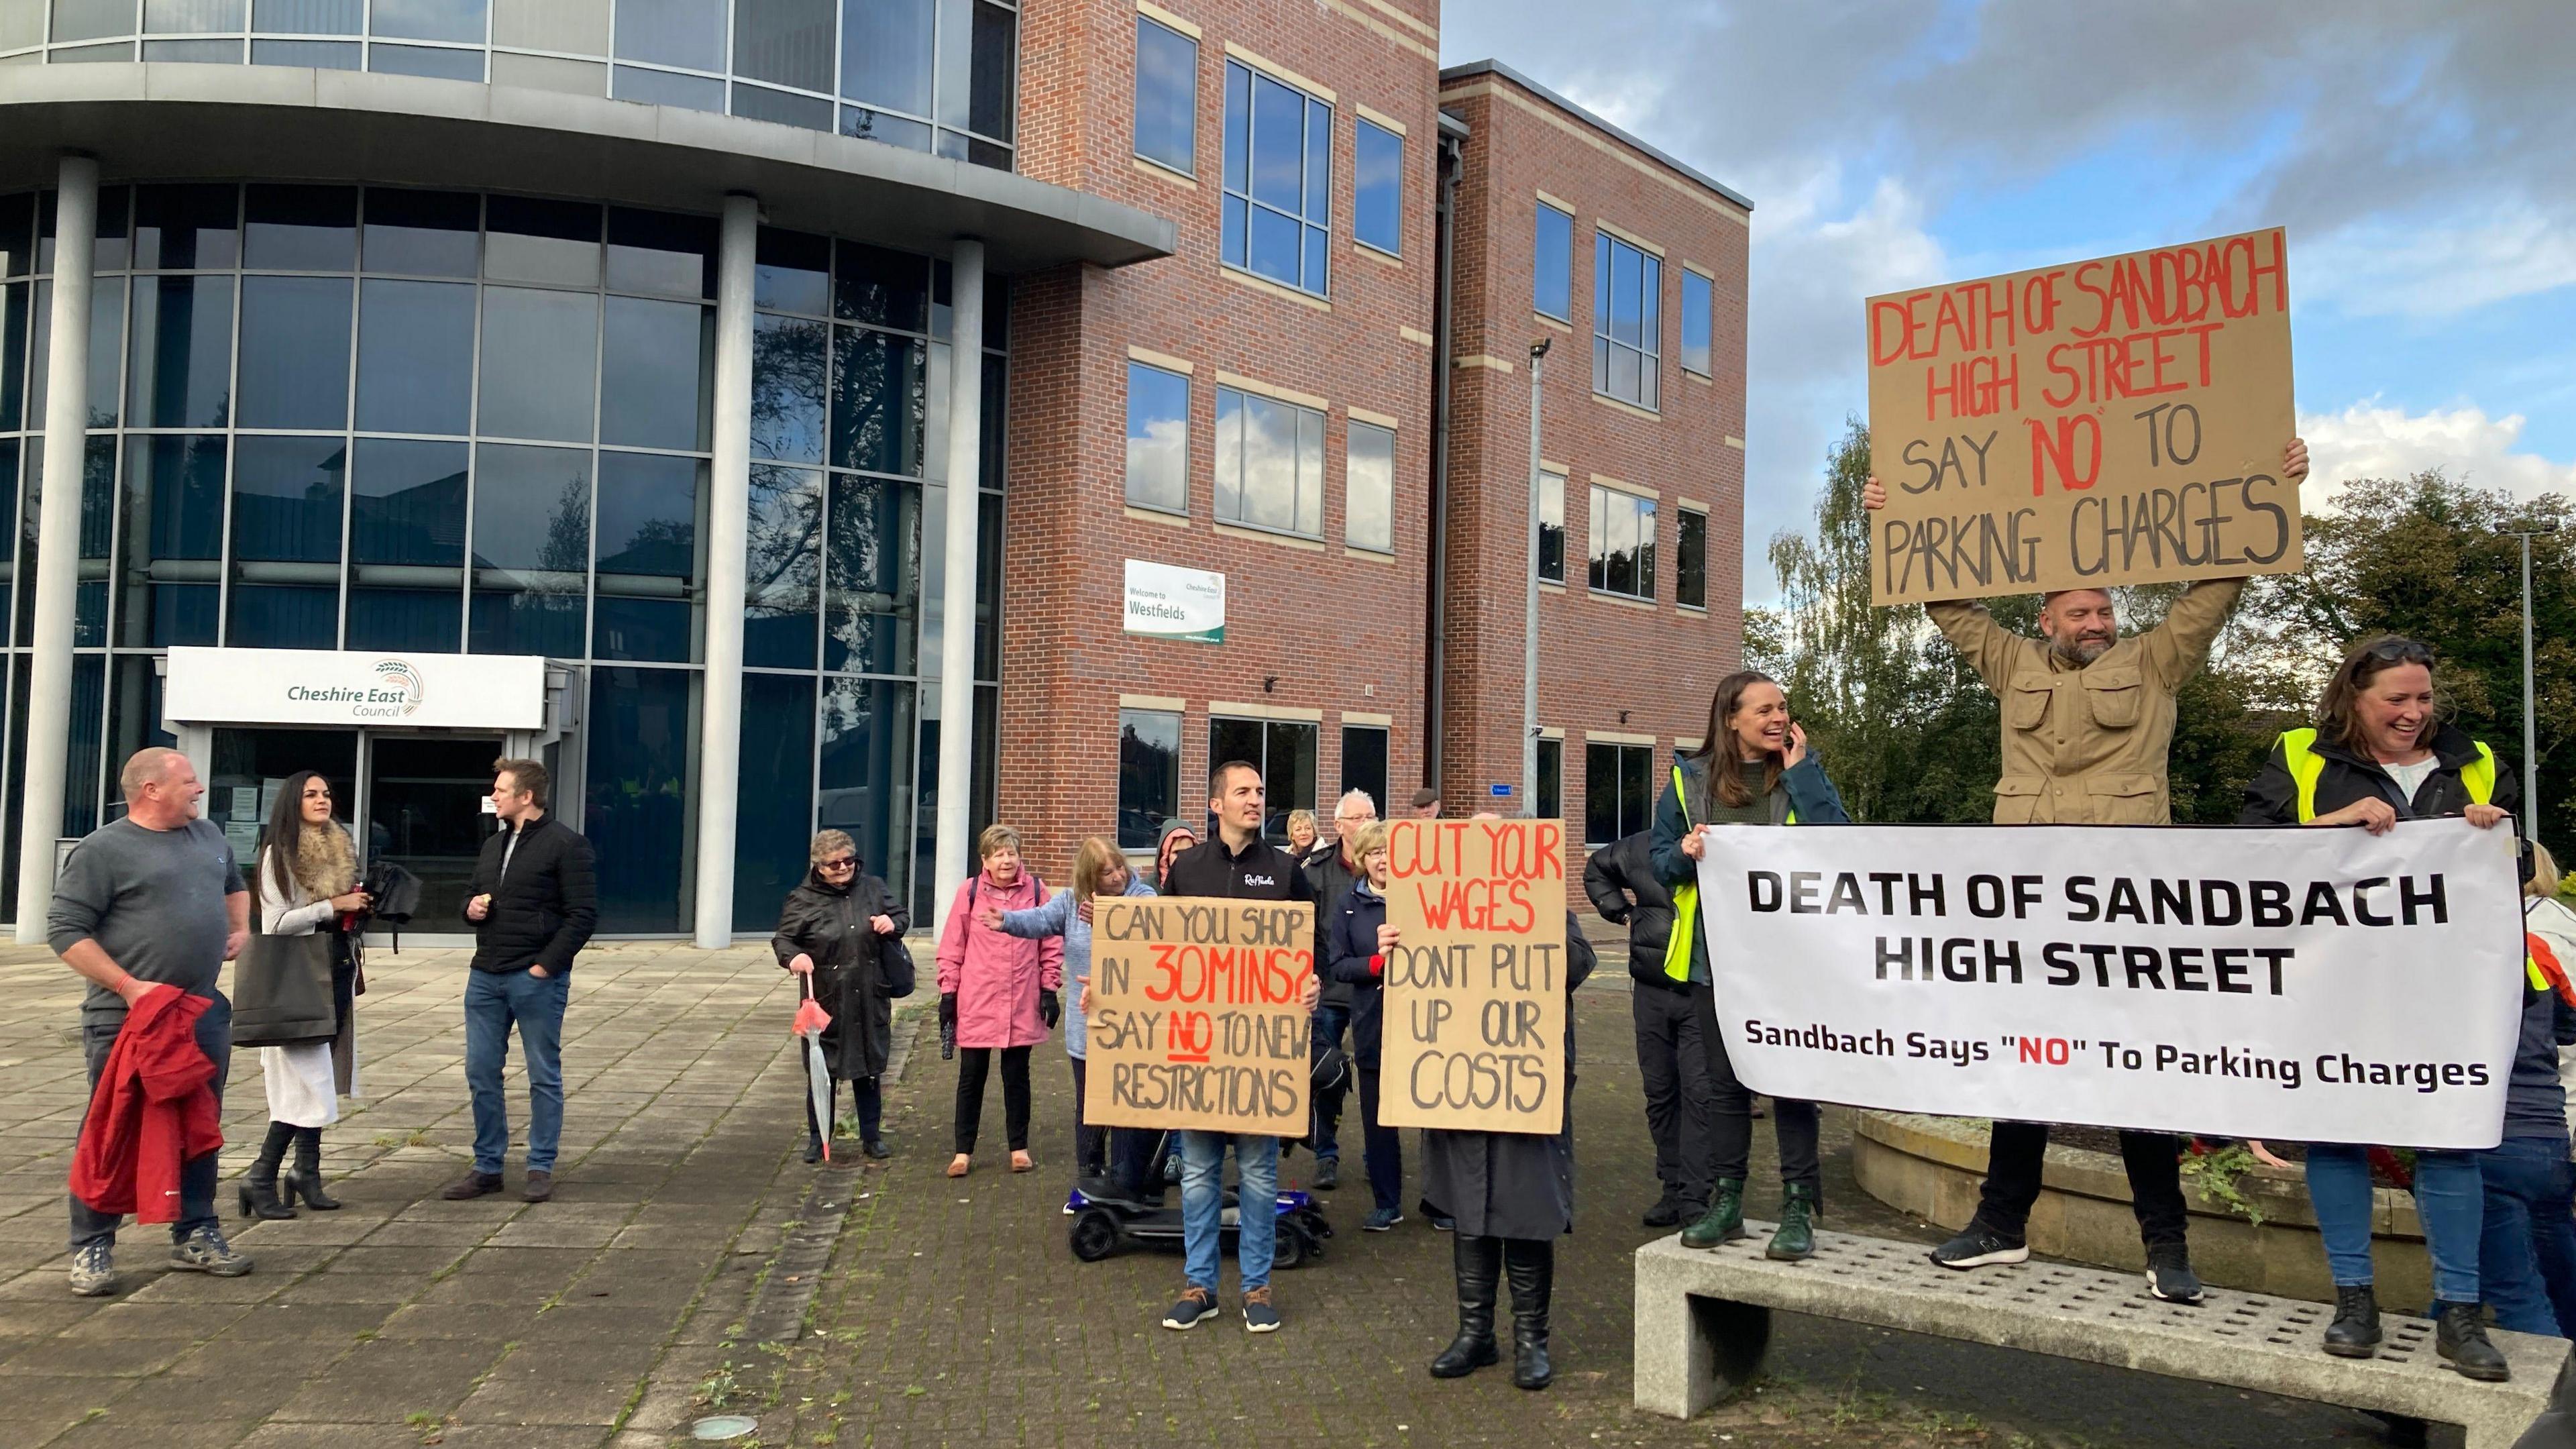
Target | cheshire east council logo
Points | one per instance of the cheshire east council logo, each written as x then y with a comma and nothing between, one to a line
400,685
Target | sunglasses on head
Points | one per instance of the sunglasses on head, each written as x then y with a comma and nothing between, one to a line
2400,651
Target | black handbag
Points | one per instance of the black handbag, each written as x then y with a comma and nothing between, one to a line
282,991
894,968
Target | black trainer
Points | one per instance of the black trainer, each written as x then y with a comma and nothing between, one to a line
2355,1330
1978,1246
2169,1274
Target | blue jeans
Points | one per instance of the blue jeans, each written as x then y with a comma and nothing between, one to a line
1382,1148
2448,1198
197,1175
494,1001
1202,1205
1330,1024
2527,1255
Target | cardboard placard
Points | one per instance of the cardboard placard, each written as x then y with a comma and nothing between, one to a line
1474,1036
1197,1019
2116,421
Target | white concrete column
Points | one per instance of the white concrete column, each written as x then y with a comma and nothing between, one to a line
728,534
955,848
49,687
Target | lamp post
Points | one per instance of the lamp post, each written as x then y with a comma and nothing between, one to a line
2530,730
1529,639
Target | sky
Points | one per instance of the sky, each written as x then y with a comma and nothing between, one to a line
2419,155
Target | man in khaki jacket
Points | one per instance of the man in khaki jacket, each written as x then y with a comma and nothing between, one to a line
2088,722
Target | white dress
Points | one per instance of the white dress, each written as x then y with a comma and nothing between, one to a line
302,1086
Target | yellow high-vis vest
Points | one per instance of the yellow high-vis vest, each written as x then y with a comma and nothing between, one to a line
1677,950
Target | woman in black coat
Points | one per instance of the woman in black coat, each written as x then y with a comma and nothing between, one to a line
1353,956
834,930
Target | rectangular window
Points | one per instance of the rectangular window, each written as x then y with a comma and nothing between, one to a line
1552,264
1149,775
1551,527
1284,752
1377,189
1364,762
1278,180
1690,588
1627,322
1551,779
1167,97
1623,543
1158,438
1699,303
1269,464
1368,489
1618,800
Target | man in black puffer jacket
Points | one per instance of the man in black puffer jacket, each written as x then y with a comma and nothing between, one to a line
1670,1053
533,900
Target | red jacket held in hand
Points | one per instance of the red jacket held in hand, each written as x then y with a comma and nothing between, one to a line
153,1109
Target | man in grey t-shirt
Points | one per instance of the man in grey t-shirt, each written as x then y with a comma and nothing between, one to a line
154,899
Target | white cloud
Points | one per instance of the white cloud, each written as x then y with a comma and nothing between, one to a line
2367,440
2436,266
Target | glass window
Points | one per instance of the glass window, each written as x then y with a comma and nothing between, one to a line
665,88
885,127
106,353
109,253
1149,775
1269,463
1167,97
301,229
308,17
879,401
424,621
1698,317
549,243
1627,321
226,51
657,374
661,254
294,368
1691,571
282,616
13,379
17,235
774,799
185,17
782,568
636,811
1158,438
1623,543
430,19
1377,186
286,499
791,272
310,54
1368,488
884,288
540,363
786,41
1551,779
531,549
178,371
864,769
955,65
91,19
1551,527
685,33
437,62
1278,175
886,54
1616,800
1364,762
1284,752
174,531
1552,264
787,389
994,83
423,233
760,103
873,579
647,600
407,506
415,356
182,228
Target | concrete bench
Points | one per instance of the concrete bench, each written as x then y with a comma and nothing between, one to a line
1704,1319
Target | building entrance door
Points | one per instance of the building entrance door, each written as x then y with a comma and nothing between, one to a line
247,767
425,813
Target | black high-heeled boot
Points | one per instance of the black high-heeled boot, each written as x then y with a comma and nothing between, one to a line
1480,1262
258,1187
306,1180
1531,1262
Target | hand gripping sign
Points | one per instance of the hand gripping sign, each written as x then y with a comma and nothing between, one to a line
1197,1019
1474,1035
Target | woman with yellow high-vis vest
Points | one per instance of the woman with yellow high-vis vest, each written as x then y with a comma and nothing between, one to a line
2380,753
1752,769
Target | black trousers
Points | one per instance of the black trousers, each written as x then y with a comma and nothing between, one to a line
972,1065
1090,1144
1680,1111
2154,1160
1731,1112
869,1093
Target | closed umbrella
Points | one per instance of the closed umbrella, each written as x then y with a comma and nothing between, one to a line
811,1020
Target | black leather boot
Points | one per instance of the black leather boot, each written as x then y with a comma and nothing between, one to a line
1480,1264
2355,1330
1531,1262
306,1181
258,1187
2460,1336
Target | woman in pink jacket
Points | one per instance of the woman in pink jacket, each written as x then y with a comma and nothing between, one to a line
998,991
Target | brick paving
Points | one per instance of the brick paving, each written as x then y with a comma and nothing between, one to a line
951,1313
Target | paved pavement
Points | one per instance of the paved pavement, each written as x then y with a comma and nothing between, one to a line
667,1279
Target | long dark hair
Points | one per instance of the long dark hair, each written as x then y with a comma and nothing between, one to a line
2337,720
285,834
1721,761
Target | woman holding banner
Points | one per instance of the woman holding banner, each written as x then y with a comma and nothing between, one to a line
2379,753
1356,937
1752,768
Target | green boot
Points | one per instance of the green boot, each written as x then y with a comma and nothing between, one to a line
1724,1221
1796,1238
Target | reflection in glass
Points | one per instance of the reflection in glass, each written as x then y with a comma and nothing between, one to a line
786,41
173,533
301,228
1368,487
1551,527
886,54
661,254
787,389
647,590
540,363
685,33
1269,463
887,288
1698,298
791,272
1158,438
179,369
309,17
657,374
1552,273
783,565
1690,585
430,19
664,88
1167,92
91,19
425,621
551,243
865,768
437,62
1377,210
407,506
995,82
774,798
294,368
635,800
311,54
106,352
878,401
17,235
274,616
13,369
531,549
760,103
885,127
1149,775
423,233
165,17
286,499
956,63
181,228
872,575
415,356
195,52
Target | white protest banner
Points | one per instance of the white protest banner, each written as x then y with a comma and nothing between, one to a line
2305,985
